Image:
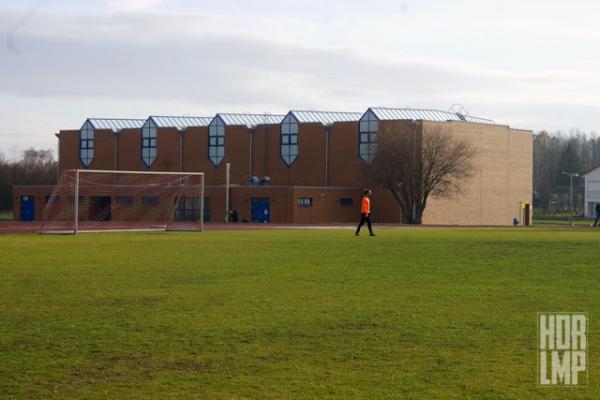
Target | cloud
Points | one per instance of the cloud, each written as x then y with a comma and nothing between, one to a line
135,5
126,63
159,57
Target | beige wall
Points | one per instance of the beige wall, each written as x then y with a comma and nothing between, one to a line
501,180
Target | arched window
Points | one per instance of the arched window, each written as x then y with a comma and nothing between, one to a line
368,137
86,144
216,141
289,139
149,142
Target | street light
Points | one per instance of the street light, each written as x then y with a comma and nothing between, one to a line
571,175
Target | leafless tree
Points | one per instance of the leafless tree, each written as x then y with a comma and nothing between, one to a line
35,167
414,164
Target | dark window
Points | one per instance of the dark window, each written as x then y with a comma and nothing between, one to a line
72,200
150,200
346,202
304,201
206,209
188,209
124,200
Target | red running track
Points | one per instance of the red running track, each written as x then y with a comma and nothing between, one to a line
20,227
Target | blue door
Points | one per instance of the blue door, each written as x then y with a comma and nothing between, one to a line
261,212
27,208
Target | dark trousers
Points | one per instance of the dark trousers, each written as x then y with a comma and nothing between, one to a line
364,218
597,218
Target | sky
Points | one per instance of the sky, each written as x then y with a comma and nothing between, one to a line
528,64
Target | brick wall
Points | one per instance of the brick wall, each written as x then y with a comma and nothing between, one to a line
327,169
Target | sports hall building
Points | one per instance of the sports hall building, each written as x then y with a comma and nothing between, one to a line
302,167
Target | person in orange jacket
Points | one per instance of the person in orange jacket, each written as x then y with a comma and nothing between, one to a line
365,212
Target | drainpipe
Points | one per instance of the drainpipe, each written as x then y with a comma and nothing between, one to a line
181,133
327,131
266,149
227,184
116,159
58,158
414,172
251,132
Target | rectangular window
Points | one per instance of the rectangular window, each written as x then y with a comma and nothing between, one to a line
81,200
150,200
346,202
305,202
124,200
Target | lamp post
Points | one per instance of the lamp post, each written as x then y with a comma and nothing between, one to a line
414,171
571,175
227,189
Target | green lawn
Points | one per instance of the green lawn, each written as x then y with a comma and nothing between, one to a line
6,216
412,313
579,223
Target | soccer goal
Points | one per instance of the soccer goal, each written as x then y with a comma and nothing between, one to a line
104,201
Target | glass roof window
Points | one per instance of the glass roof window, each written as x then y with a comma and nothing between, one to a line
289,139
368,126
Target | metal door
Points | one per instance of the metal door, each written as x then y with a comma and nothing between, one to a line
27,208
261,210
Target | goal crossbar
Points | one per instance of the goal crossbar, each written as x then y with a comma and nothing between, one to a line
110,171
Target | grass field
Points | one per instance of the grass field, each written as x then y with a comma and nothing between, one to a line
583,223
6,216
412,313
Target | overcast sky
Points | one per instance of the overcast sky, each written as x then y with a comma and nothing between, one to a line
529,64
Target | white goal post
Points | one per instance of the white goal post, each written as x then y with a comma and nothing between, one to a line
111,200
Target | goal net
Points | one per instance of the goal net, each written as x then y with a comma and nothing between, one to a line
96,201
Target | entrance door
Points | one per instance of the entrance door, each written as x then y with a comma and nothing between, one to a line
261,211
188,209
100,208
27,208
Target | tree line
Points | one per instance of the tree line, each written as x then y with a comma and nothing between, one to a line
33,167
556,154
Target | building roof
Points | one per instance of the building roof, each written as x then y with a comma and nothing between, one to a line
326,118
591,170
383,113
479,120
115,124
250,120
180,123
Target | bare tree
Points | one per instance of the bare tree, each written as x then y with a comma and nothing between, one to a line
35,167
414,164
